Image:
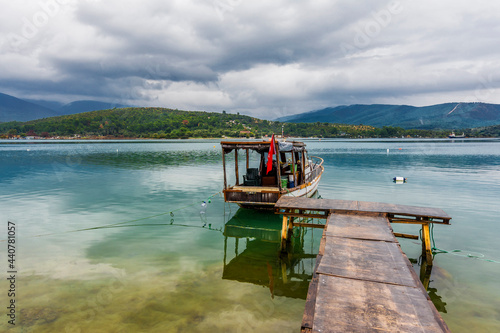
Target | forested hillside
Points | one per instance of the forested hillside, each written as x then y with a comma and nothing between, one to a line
172,124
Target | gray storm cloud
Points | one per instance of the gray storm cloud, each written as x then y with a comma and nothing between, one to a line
266,59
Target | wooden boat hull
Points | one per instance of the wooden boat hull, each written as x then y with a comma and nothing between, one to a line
265,198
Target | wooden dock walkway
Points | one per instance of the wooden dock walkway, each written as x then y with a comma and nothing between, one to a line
363,282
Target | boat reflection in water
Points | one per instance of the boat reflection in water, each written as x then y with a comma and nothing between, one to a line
251,254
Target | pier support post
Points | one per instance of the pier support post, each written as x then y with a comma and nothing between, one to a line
284,233
426,244
425,274
283,272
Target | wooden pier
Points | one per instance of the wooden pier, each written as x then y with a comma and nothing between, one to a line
363,282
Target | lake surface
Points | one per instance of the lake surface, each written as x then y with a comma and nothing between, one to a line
112,236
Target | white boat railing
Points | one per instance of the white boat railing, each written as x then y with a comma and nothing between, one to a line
316,168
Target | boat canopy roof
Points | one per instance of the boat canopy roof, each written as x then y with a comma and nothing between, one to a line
262,146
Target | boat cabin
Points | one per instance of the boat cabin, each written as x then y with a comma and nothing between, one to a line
291,172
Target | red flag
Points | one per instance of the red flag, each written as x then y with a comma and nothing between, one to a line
272,151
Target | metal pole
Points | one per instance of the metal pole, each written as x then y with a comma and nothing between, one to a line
278,171
224,167
236,165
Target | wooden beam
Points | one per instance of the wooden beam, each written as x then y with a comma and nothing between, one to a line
308,225
311,215
397,234
413,221
418,219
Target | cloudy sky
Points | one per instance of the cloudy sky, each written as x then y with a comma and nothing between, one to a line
261,58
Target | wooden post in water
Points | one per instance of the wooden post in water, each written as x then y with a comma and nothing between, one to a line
425,274
426,244
290,226
284,233
283,272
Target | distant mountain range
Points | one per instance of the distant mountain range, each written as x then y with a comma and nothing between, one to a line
16,109
441,116
12,108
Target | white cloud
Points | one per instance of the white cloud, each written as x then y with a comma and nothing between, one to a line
187,96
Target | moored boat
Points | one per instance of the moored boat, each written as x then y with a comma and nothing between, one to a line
268,171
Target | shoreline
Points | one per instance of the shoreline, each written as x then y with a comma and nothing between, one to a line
104,139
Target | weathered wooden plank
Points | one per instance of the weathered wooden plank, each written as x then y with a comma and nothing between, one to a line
349,305
360,227
365,260
368,206
315,204
308,316
414,211
270,189
333,205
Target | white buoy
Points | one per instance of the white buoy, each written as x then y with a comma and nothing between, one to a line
399,179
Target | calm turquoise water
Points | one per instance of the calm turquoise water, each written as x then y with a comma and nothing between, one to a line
99,251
